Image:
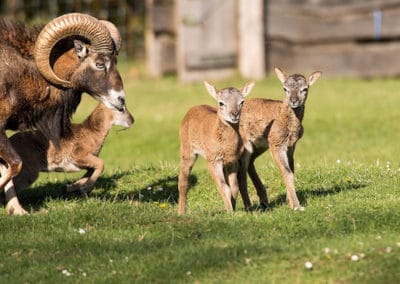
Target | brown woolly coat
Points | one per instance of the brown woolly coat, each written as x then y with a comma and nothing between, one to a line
226,146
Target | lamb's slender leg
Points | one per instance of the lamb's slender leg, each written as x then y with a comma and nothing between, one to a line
233,184
261,191
242,179
216,169
291,158
280,156
183,180
77,184
95,168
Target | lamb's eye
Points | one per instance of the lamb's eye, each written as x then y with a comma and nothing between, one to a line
241,103
304,90
285,89
221,104
100,65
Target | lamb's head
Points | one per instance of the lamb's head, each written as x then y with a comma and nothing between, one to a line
122,118
77,51
296,86
230,100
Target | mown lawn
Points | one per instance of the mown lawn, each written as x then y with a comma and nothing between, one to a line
128,230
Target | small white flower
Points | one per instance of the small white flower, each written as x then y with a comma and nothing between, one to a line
388,249
354,257
338,161
308,265
160,189
81,231
378,237
84,274
149,188
66,272
126,259
188,273
247,260
398,244
327,250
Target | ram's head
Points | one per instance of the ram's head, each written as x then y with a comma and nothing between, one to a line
77,51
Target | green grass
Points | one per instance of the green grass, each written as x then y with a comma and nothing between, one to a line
128,230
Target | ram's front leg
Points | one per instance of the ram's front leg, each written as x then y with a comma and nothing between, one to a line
11,167
13,206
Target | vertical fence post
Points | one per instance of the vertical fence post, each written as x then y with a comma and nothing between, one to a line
251,39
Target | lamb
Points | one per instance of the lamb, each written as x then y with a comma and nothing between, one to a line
213,134
276,125
43,74
78,151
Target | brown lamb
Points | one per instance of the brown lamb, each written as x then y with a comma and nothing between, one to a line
276,125
78,151
214,134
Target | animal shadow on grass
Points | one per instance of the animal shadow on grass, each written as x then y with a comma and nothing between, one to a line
303,194
107,188
35,197
162,190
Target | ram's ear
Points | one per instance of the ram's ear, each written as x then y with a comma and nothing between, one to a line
81,49
211,90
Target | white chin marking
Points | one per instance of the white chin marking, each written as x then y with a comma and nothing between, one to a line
113,100
114,95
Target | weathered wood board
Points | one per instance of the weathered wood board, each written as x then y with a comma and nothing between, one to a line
357,38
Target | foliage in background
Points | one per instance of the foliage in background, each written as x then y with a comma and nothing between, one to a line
127,15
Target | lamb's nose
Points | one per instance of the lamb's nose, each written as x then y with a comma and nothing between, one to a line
235,114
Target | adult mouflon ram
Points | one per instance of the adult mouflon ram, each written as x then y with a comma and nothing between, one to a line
43,74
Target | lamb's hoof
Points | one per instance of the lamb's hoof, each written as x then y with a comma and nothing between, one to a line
16,210
71,187
263,206
299,208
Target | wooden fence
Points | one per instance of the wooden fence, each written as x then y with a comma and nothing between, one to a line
357,38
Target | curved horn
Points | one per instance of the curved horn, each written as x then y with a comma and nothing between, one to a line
65,26
114,32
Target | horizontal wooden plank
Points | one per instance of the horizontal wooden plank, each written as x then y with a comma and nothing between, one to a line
354,59
326,23
162,18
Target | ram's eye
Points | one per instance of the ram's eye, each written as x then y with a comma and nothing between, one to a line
221,104
241,103
100,65
285,89
304,90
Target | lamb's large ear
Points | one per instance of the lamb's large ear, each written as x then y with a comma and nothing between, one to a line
211,90
280,74
313,77
246,89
